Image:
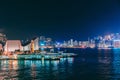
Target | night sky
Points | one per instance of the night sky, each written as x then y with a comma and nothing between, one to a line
59,19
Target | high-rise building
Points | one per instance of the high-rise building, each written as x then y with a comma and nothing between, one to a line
116,43
42,38
71,43
65,44
42,41
2,37
48,42
76,43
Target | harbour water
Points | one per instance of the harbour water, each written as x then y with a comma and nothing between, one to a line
90,64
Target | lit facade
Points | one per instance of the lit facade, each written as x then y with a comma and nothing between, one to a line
27,47
12,45
116,43
36,44
1,47
31,46
2,37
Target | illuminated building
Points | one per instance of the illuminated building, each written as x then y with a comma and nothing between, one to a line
48,39
85,44
107,37
42,41
27,46
116,43
12,45
42,38
64,44
75,43
36,43
48,42
68,44
2,37
1,47
79,43
32,46
71,43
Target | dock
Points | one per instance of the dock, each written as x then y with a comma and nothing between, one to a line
38,56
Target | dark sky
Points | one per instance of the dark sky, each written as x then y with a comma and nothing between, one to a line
59,19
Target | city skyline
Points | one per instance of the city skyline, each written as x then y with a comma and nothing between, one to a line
101,41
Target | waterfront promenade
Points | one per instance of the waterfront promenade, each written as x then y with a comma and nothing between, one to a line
37,56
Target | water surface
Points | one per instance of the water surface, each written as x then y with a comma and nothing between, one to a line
90,64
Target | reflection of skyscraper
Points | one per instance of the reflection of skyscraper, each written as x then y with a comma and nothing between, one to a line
104,67
116,63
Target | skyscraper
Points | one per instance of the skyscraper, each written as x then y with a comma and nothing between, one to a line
2,37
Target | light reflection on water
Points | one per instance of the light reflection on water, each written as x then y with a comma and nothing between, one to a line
31,69
90,65
116,64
